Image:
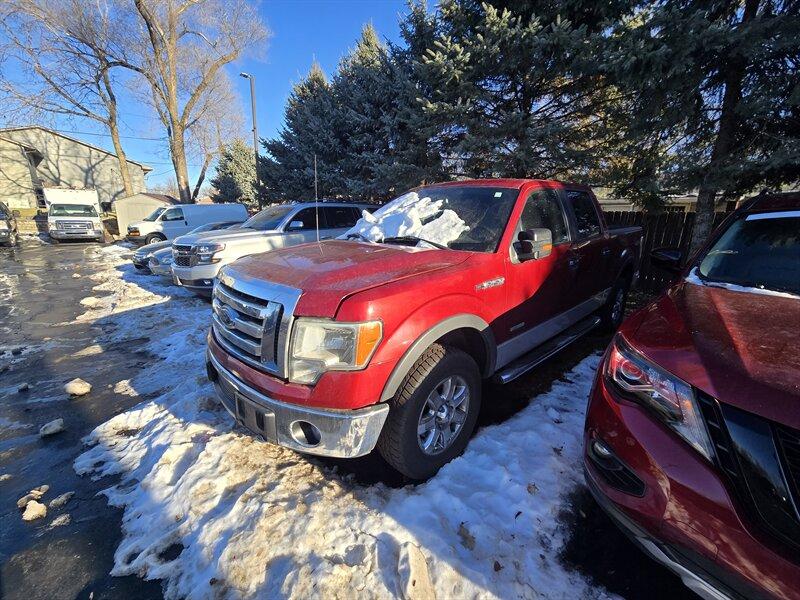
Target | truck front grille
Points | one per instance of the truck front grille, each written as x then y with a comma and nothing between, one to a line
248,327
74,225
183,256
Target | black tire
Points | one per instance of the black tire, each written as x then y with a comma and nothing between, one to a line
611,316
153,238
399,441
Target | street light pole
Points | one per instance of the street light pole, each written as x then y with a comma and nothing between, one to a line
255,131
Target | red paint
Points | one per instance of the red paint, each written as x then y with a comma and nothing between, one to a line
740,348
410,290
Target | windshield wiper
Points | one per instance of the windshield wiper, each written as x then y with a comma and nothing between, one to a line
413,238
358,236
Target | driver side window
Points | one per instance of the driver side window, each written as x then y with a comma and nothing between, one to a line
542,209
309,219
172,214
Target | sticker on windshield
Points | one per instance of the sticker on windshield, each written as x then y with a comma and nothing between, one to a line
498,194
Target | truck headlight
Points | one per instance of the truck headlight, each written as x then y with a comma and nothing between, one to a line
320,345
671,399
206,252
4,226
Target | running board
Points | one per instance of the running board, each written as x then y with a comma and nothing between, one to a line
538,355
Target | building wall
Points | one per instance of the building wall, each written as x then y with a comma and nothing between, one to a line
16,183
68,163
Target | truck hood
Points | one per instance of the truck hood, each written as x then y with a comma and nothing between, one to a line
739,347
330,271
224,236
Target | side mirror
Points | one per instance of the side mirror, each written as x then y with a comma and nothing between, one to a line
533,244
668,259
294,226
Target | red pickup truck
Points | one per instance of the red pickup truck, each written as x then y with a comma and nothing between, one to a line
692,439
383,339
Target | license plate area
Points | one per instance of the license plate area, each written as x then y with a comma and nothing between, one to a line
255,417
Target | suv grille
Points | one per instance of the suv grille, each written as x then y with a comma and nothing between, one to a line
183,256
761,460
248,327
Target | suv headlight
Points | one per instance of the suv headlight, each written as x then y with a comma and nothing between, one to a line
206,252
320,345
671,399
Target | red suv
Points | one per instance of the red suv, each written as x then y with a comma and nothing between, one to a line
692,438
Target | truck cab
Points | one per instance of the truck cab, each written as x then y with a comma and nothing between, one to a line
73,215
381,338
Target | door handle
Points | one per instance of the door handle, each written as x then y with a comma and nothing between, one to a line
606,251
573,262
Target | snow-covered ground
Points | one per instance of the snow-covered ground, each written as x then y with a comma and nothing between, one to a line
216,513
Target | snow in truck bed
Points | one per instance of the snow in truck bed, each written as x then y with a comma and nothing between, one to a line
214,512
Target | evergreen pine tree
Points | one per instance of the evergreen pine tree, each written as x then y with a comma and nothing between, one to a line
235,176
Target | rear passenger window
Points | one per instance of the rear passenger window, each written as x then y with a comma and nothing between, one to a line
586,218
338,217
542,209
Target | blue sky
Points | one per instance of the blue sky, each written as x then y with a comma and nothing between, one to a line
301,30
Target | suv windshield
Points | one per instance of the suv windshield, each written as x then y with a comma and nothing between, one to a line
758,251
155,214
467,217
72,210
269,218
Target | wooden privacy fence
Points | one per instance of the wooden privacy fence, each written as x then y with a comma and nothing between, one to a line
672,229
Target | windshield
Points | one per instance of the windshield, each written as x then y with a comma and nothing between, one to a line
155,214
269,218
467,217
72,210
758,251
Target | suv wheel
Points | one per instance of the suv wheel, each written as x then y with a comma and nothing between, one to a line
153,238
433,414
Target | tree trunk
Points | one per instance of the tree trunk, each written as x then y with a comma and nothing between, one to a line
728,122
178,154
123,161
201,177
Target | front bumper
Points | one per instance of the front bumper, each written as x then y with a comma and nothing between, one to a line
89,234
685,518
199,278
136,239
325,432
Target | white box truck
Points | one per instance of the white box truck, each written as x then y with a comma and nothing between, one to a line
73,214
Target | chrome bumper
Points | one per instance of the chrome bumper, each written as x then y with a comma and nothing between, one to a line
339,433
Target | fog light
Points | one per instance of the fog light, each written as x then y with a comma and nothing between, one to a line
601,450
305,434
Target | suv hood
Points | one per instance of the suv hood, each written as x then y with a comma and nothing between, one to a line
222,236
739,347
330,271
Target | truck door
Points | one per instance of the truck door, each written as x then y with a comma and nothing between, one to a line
587,255
173,222
537,287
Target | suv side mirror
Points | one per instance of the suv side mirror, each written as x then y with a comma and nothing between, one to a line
533,244
668,259
294,226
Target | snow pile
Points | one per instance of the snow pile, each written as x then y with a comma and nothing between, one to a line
216,513
410,215
695,279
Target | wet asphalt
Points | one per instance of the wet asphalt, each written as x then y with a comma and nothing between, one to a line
39,300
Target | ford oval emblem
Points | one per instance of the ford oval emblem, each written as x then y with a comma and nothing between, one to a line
227,316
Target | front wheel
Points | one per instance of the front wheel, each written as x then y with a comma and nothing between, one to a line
433,414
153,238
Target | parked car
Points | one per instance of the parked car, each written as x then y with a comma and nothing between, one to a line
692,439
169,223
160,262
8,226
74,221
198,259
141,257
383,339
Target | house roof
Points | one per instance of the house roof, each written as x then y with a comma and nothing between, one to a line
144,167
162,197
